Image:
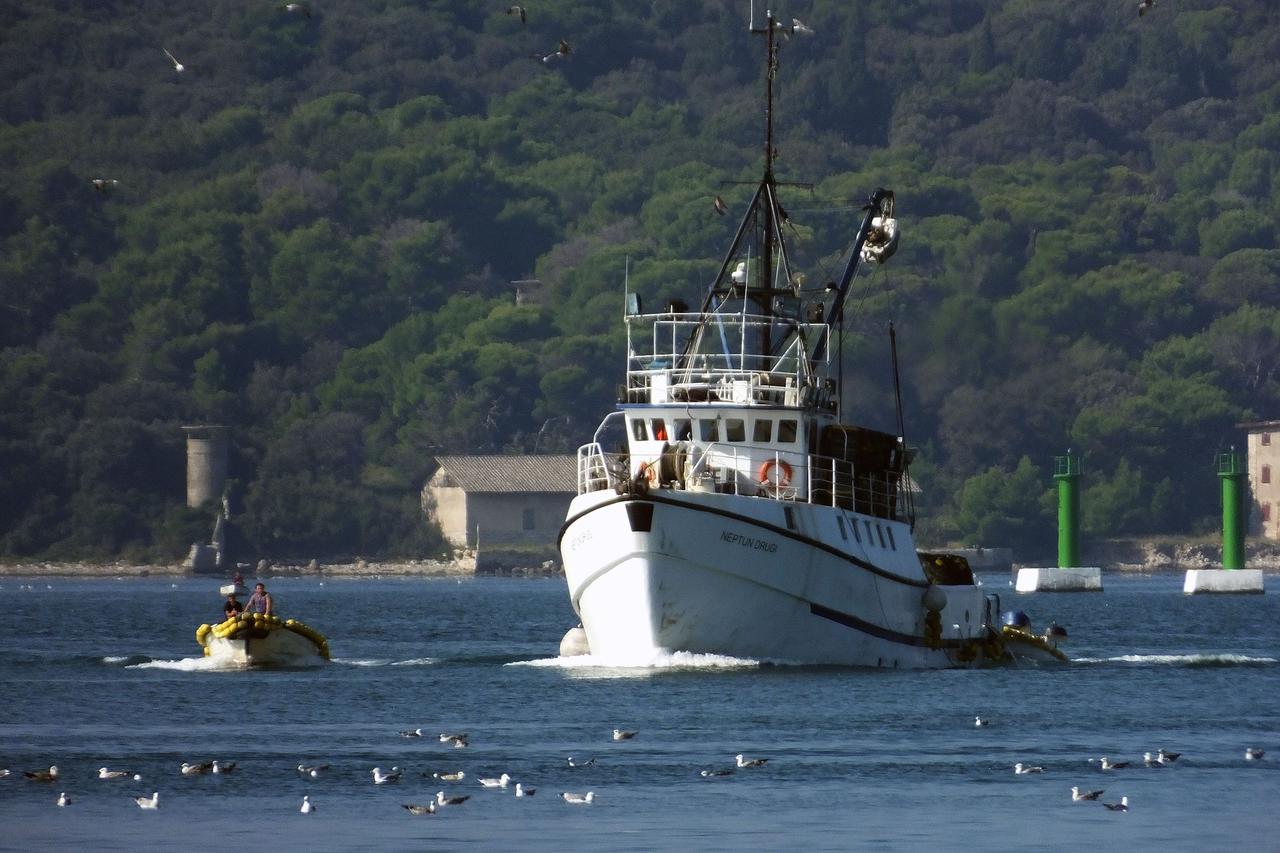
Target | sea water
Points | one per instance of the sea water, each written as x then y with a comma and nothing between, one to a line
107,673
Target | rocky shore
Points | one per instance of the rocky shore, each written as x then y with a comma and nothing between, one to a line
354,569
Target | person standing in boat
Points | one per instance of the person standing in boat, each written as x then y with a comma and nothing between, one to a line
260,601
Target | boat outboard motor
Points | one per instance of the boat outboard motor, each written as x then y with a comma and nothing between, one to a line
1017,619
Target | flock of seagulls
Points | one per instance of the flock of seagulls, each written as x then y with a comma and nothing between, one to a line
1161,758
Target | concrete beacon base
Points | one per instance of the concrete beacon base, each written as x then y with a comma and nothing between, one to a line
1223,581
1076,579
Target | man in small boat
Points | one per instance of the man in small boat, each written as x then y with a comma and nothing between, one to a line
233,607
260,601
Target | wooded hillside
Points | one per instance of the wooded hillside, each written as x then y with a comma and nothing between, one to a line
318,219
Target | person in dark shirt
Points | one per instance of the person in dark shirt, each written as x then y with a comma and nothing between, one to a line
232,607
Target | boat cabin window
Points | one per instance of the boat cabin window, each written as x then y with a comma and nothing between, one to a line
786,431
870,539
856,535
708,429
638,432
735,429
659,429
880,530
843,534
762,431
893,545
684,429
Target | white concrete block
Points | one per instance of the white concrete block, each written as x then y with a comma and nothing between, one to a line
1075,579
1223,580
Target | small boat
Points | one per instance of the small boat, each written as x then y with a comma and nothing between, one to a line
255,639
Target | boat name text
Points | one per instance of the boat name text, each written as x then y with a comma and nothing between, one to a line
748,542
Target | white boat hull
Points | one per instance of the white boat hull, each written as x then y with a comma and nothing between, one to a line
276,648
720,574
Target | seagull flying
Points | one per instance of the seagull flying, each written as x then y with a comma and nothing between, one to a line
619,734
307,807
519,12
799,28
177,66
296,8
1145,6
151,802
719,206
429,808
579,799
1077,795
104,185
1023,769
750,762
1122,806
560,52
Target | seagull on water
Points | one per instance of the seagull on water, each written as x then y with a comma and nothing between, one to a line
194,769
978,722
307,807
381,777
449,777
49,775
1167,757
1108,764
712,774
750,762
151,802
1023,769
442,800
223,768
1122,806
429,808
312,770
1077,795
411,733
619,734
586,763
522,791
1153,760
177,66
63,799
1254,754
579,799
104,773
500,782
458,740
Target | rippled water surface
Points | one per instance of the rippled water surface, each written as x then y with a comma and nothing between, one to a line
106,672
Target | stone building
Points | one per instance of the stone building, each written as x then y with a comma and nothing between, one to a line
1264,478
507,501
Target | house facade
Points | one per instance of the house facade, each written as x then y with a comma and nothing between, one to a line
485,501
1264,478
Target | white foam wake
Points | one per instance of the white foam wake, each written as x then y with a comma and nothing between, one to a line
384,662
658,661
200,664
1184,660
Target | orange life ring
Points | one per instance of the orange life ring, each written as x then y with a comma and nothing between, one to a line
766,473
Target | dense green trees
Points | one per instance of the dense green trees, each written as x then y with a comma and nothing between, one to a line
316,226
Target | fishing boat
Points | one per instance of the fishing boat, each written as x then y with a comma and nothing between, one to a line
725,507
261,640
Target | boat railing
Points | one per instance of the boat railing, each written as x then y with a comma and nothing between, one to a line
728,366
758,472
